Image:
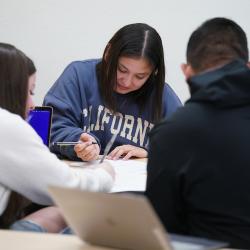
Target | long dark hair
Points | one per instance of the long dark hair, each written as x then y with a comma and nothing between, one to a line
13,79
136,40
13,97
31,66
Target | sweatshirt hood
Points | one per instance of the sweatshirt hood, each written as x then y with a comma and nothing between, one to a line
225,87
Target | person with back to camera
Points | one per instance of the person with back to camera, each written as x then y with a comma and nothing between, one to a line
123,93
198,163
27,167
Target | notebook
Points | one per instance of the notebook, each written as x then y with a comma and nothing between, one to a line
40,118
122,221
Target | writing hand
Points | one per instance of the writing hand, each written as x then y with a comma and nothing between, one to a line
86,150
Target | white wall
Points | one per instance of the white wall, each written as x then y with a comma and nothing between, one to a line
56,32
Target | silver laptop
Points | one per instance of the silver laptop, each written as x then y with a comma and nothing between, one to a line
120,221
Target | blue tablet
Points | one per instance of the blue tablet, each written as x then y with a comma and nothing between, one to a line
40,119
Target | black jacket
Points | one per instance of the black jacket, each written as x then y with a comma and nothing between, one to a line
199,159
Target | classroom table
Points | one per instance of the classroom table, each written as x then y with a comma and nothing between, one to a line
13,240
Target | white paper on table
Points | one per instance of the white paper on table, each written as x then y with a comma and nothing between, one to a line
131,175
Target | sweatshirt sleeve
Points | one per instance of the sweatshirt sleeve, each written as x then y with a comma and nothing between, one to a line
171,101
68,96
28,167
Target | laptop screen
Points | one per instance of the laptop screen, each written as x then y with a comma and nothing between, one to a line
40,119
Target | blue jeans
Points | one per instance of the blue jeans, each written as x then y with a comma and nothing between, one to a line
26,225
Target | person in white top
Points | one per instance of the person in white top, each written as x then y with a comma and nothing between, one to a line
27,168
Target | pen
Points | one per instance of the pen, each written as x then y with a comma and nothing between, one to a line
69,143
108,147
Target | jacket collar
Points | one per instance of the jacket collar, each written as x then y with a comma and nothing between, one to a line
226,86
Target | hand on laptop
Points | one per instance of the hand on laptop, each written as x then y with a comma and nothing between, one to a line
87,149
108,167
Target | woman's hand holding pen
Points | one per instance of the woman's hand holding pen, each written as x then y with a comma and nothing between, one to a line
88,149
126,152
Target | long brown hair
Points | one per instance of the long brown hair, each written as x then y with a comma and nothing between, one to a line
136,40
13,79
13,97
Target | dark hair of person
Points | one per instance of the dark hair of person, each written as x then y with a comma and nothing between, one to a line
136,41
216,42
13,97
13,79
31,66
